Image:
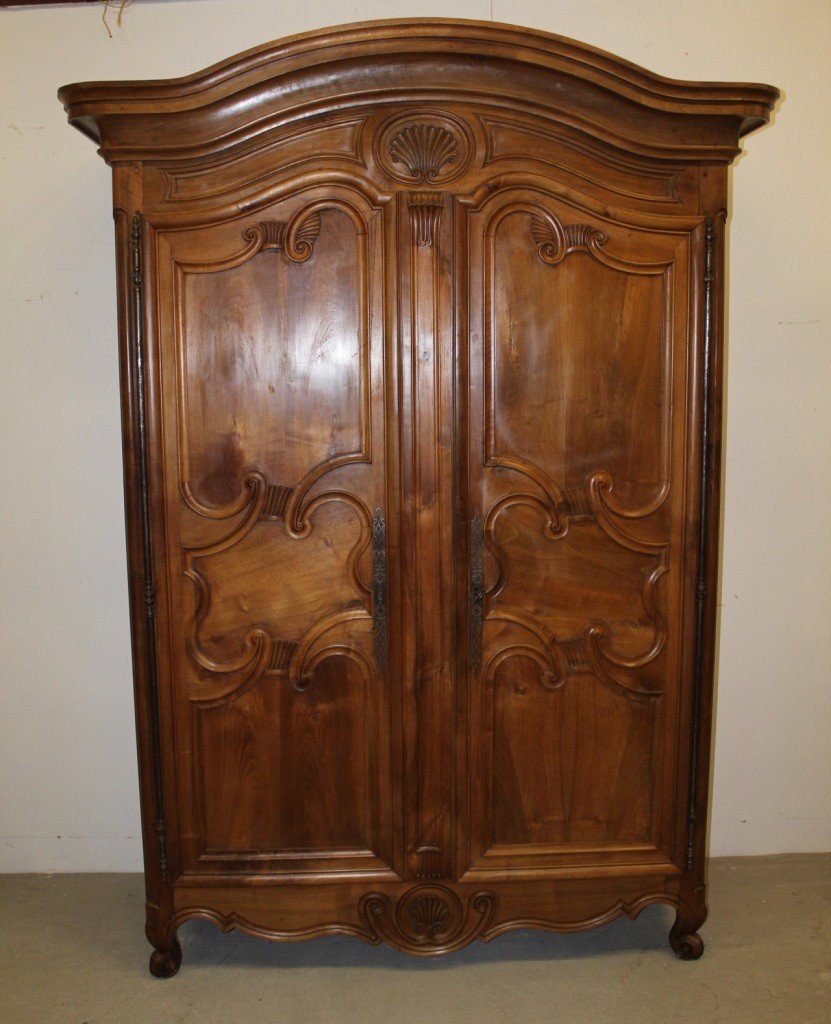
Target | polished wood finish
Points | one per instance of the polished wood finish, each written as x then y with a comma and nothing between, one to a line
421,341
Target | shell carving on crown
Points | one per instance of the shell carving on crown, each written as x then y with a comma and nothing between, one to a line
424,149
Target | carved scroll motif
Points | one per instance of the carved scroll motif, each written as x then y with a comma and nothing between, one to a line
554,241
427,920
263,653
557,659
295,238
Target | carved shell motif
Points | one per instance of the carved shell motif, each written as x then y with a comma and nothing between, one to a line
429,917
427,920
424,149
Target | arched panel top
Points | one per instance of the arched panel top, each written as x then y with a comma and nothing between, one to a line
423,60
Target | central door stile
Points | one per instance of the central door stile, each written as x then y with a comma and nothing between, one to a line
427,463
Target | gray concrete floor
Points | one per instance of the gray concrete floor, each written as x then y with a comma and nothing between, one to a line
73,952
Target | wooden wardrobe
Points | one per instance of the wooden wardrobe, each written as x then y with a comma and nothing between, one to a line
421,363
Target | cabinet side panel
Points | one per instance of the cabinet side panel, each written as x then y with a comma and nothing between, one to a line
127,204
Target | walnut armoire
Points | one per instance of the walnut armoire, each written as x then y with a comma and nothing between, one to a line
421,363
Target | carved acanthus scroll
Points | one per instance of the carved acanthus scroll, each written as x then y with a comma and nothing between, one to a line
554,241
296,238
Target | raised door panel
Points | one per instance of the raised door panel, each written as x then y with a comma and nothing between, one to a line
577,495
274,413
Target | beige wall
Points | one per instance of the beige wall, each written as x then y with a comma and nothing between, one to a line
68,796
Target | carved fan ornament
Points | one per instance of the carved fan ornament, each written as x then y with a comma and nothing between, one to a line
428,919
426,149
423,149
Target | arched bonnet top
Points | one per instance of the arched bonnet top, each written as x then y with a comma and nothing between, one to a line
430,60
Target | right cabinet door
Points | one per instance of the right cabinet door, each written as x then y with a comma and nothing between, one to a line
581,501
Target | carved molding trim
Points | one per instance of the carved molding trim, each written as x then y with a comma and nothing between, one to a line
136,335
375,906
701,561
620,908
591,501
425,210
477,589
427,920
611,100
555,241
641,180
238,922
223,173
557,657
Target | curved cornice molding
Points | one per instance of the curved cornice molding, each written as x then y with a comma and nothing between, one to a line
559,78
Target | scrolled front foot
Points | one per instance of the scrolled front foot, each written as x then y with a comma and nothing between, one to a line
164,963
687,947
684,937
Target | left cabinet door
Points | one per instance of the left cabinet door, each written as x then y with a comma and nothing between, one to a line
271,469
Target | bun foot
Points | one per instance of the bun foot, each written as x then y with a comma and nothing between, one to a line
164,963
